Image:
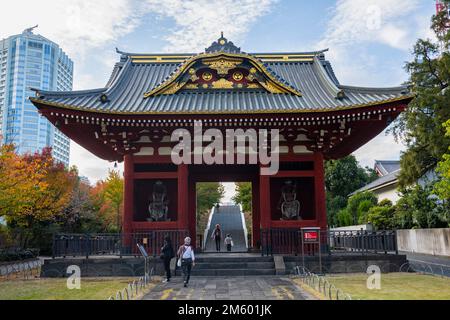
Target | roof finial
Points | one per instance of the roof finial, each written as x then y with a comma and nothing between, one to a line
221,34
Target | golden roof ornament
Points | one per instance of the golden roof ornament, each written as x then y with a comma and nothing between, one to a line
223,45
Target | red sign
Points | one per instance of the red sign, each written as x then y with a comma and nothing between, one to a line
311,236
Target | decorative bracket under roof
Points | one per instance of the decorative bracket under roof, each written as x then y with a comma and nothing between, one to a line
223,70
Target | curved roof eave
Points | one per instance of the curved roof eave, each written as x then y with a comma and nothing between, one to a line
38,102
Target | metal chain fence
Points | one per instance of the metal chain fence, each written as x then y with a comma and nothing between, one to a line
21,271
320,284
133,289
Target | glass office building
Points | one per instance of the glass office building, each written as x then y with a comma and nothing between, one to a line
29,61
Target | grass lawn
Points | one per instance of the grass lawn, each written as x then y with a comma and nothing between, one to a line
56,289
394,286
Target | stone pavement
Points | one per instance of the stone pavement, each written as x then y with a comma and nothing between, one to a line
229,288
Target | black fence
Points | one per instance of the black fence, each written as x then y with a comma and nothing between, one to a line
123,244
290,242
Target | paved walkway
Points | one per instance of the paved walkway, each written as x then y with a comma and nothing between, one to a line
237,288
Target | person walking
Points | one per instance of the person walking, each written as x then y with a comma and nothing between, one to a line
217,236
229,242
186,255
167,254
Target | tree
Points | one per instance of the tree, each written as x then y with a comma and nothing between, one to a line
359,204
342,177
382,215
420,126
442,187
420,208
107,200
81,216
21,181
34,190
208,194
243,197
114,193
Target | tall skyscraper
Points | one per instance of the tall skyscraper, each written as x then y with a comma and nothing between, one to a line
29,61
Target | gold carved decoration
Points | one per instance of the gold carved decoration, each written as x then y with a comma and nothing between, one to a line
271,87
194,78
222,84
174,88
207,76
222,65
253,86
191,86
250,77
238,76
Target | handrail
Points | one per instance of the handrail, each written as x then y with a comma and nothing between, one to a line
208,226
244,225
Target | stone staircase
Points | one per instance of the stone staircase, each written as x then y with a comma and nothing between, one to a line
230,219
209,265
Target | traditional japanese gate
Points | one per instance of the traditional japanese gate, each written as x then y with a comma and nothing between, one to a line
149,97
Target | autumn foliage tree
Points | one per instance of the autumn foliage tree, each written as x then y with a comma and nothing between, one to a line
34,189
107,196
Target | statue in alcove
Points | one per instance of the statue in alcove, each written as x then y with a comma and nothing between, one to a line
290,206
158,207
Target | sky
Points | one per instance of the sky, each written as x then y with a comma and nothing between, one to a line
369,41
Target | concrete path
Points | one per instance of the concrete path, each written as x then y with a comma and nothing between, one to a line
225,288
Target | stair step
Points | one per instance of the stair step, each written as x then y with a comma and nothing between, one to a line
231,272
250,265
204,259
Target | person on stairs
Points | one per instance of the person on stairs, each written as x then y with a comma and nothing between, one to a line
186,255
229,242
217,236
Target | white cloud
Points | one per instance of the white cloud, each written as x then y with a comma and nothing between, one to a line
89,165
356,27
369,20
199,22
84,29
383,147
76,25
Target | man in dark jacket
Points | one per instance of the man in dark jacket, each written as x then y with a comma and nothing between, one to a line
167,254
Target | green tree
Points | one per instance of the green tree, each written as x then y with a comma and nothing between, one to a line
359,204
243,197
114,193
344,218
342,177
208,194
382,215
420,208
420,126
442,187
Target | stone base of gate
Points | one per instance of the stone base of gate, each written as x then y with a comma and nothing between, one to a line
347,263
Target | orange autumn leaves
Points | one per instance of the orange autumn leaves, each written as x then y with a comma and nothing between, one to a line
33,187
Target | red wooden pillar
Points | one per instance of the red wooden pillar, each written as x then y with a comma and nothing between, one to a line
192,209
321,209
183,216
256,214
264,201
128,198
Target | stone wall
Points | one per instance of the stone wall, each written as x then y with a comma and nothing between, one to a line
426,241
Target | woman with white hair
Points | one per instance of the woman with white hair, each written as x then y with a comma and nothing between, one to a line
186,259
